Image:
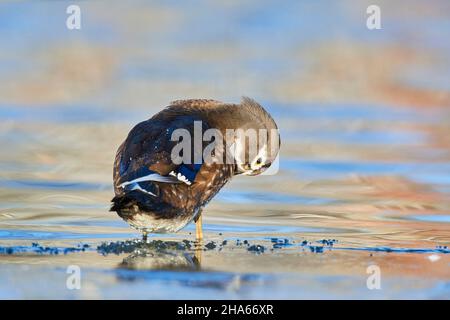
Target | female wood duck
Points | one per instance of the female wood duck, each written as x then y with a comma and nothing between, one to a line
154,193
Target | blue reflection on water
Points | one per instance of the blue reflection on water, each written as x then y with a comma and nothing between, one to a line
50,185
430,218
242,196
9,234
431,173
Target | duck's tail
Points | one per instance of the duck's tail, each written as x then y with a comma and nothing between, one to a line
129,203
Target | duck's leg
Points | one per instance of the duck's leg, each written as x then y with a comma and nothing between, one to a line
199,238
198,228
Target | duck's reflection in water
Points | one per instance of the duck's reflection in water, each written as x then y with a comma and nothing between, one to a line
166,258
161,260
161,263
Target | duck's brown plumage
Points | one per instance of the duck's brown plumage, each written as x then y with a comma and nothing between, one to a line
147,149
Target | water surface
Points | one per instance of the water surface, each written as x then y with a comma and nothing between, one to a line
365,162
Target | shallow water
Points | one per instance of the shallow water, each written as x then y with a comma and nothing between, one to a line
365,162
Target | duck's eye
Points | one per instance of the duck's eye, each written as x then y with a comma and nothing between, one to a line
259,161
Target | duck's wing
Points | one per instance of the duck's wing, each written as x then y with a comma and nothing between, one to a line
146,154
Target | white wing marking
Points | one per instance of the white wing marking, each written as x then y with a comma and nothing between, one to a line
136,186
180,177
151,177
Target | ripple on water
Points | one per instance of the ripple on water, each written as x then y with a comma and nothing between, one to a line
264,229
430,173
430,218
9,234
51,184
244,197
